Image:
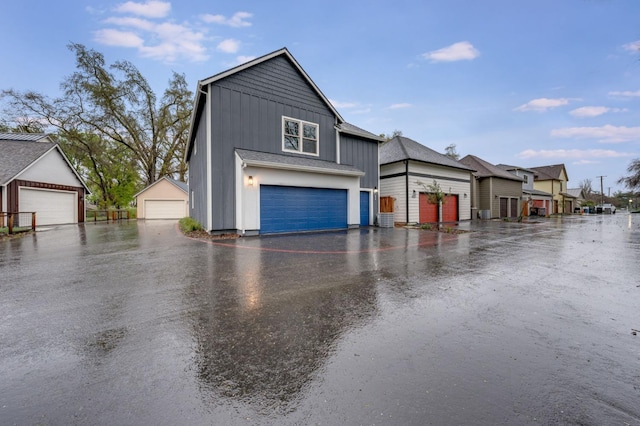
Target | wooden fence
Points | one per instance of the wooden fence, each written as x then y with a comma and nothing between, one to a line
107,215
17,222
386,204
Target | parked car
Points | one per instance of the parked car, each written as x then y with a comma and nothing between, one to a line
606,208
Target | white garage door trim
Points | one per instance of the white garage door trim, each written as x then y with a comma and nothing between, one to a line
52,207
164,209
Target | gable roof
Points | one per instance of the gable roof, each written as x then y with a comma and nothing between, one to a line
200,95
401,148
485,169
180,185
576,192
552,172
281,52
20,150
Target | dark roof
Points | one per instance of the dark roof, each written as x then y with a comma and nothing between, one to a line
17,154
510,168
357,131
548,172
401,148
34,137
179,184
279,161
485,169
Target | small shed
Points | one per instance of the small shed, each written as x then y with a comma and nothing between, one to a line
166,198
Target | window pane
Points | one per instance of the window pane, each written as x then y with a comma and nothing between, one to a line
309,146
291,142
309,131
291,128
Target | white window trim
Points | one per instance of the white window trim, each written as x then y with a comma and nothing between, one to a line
301,123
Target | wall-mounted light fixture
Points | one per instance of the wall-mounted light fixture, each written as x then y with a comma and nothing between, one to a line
250,180
375,189
465,195
414,194
496,196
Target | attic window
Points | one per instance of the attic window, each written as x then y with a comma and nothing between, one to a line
526,178
299,136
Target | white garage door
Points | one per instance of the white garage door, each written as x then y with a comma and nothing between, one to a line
51,207
164,209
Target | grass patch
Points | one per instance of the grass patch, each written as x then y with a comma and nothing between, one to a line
188,224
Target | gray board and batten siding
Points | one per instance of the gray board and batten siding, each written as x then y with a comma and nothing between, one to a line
246,109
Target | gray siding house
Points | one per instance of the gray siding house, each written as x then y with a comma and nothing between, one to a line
268,153
494,191
535,202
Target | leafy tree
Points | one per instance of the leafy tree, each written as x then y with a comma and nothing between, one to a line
451,152
632,181
111,123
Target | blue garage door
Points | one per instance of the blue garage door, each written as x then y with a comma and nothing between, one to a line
364,208
294,209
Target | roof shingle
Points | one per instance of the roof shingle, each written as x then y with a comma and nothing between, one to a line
401,148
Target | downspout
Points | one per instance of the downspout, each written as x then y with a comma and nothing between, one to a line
406,184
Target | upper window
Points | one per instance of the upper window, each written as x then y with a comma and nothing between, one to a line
299,136
526,178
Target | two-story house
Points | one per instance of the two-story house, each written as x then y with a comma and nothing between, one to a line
535,202
554,179
494,189
268,153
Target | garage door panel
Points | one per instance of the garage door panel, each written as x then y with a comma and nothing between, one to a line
51,207
294,209
428,212
450,209
164,209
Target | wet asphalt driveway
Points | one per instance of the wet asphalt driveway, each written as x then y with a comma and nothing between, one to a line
134,324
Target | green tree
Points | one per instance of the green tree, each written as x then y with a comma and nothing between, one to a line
111,115
632,182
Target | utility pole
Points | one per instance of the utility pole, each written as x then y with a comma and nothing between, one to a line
601,190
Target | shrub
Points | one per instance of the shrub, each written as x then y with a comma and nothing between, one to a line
188,224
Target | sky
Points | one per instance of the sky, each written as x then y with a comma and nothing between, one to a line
526,83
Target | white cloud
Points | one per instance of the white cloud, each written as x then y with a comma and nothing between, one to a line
594,111
150,9
542,104
400,106
633,47
604,134
238,19
339,104
229,46
138,23
573,154
626,94
112,37
461,51
244,59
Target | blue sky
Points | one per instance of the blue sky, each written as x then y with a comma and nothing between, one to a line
525,83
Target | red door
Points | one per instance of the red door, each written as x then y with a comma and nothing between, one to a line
450,208
428,211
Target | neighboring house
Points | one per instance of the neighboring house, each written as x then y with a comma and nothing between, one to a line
580,197
36,176
268,153
407,168
494,190
166,198
553,179
535,202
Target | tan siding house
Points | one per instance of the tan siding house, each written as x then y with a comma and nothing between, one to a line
554,180
494,190
164,199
